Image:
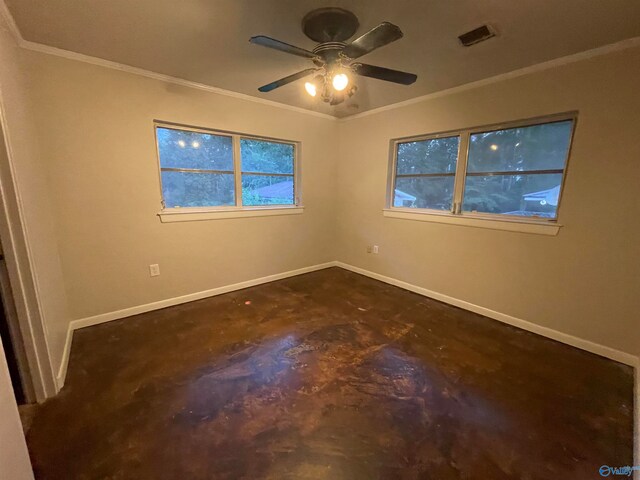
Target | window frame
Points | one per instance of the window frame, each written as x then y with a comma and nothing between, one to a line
456,215
265,174
394,174
175,214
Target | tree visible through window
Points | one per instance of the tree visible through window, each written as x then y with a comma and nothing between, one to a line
425,171
202,169
197,168
267,172
516,171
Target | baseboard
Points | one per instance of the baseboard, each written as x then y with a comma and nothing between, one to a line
587,345
128,312
592,347
577,342
62,371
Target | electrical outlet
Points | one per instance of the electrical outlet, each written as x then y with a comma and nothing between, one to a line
375,249
368,248
154,270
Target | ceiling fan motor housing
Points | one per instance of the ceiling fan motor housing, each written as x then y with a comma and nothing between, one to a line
330,25
329,52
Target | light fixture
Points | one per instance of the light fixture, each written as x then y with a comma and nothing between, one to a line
340,81
195,144
494,147
182,143
315,86
310,88
331,87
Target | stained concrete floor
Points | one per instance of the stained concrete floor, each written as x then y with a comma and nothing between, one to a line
330,375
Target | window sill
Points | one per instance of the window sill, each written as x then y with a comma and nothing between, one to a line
198,214
511,225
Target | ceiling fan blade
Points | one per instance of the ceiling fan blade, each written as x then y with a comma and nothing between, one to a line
283,47
386,74
286,80
377,37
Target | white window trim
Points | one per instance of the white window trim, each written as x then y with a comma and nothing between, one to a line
172,215
542,226
508,224
188,214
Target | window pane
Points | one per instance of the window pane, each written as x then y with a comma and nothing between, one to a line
524,195
185,149
424,192
267,190
538,147
266,157
437,155
181,189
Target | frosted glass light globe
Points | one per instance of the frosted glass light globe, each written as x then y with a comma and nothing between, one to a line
310,88
340,82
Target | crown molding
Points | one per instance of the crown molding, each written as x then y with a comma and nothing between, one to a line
10,22
38,47
59,52
539,67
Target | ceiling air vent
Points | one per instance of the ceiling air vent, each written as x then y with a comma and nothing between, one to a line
476,35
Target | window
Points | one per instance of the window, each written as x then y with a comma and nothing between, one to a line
425,173
514,172
218,171
197,168
517,171
267,172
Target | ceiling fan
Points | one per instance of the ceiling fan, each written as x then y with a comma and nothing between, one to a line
335,61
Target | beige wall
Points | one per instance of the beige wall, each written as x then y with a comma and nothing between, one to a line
583,282
27,225
95,127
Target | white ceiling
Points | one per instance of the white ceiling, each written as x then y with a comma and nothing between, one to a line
206,41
